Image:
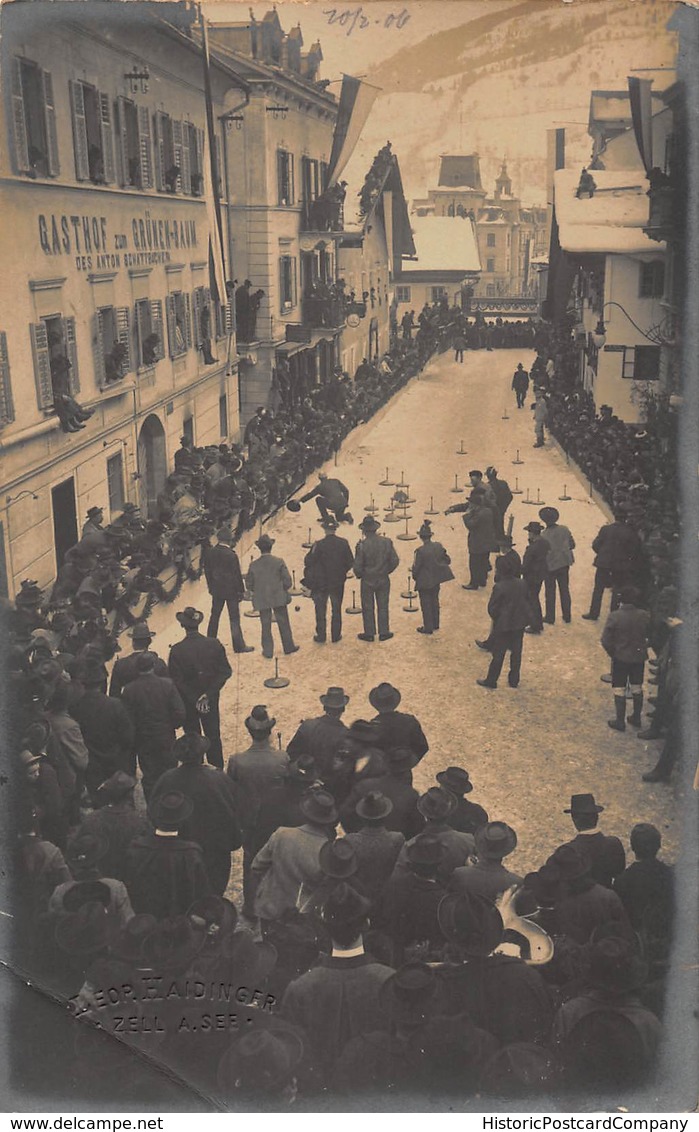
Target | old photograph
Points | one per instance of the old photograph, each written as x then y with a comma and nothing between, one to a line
333,779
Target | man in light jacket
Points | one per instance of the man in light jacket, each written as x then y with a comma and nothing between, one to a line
286,871
269,581
375,560
559,560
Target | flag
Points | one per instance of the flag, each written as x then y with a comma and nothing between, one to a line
356,101
212,183
642,118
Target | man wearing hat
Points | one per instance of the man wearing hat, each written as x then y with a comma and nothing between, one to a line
213,821
520,384
534,571
116,823
157,712
322,736
586,905
339,998
396,785
559,560
431,567
287,869
326,567
330,495
258,775
618,561
647,882
92,533
606,854
125,667
408,912
541,416
478,520
503,498
106,728
509,609
166,873
376,848
396,728
488,876
436,806
375,560
269,582
625,640
199,667
225,582
467,816
85,858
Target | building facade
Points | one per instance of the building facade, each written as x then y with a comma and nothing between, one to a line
445,266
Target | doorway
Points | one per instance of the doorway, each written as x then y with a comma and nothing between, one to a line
65,519
152,462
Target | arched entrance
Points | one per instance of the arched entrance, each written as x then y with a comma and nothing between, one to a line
152,461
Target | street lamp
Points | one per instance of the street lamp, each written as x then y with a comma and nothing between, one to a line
237,118
136,77
277,111
657,335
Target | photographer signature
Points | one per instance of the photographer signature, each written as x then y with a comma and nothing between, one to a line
351,18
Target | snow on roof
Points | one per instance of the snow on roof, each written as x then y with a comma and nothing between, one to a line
443,243
610,221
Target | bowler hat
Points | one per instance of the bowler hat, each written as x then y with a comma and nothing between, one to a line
616,966
93,512
571,862
128,943
140,632
425,530
170,810
476,472
534,527
264,543
471,921
455,779
384,697
319,806
86,851
302,769
259,720
369,523
436,804
400,758
410,991
261,1061
364,731
373,807
172,946
87,931
583,804
335,697
293,505
345,905
190,748
116,787
190,617
425,849
545,884
214,916
130,508
495,840
549,514
338,859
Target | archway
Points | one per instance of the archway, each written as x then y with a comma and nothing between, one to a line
152,461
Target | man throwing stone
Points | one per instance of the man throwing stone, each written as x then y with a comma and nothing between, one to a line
330,495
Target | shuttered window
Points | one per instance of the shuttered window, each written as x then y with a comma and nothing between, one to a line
223,319
285,177
287,282
201,315
33,120
55,353
93,134
178,310
115,482
149,332
186,163
196,159
7,410
112,343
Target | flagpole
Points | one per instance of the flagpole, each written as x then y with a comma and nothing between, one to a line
213,161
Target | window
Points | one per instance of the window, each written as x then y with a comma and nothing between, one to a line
651,284
7,410
34,120
115,482
641,363
490,290
403,294
285,177
438,293
193,141
287,282
168,164
92,134
112,344
491,240
224,319
490,265
55,359
223,415
201,304
134,152
149,332
179,323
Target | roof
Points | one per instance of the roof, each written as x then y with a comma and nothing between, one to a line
610,221
613,106
354,174
443,243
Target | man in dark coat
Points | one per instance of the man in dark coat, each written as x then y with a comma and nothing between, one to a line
503,499
606,854
396,786
166,873
117,822
436,806
534,571
242,310
106,728
618,552
431,567
326,567
330,495
648,882
396,728
375,560
125,667
488,876
376,848
225,582
587,905
157,711
467,817
199,668
478,520
520,384
625,640
213,822
408,911
509,610
321,737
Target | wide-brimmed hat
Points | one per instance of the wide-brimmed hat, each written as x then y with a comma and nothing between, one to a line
571,862
495,840
141,632
92,512
425,849
345,905
261,1061
616,966
335,697
436,804
319,806
373,807
549,514
364,731
425,530
400,758
190,617
172,946
214,917
455,779
118,786
338,858
584,805
86,892
302,769
259,720
369,523
171,810
264,542
384,697
546,884
190,748
128,943
409,993
30,593
86,932
471,921
534,527
86,851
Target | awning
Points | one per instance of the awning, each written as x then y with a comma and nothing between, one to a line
288,349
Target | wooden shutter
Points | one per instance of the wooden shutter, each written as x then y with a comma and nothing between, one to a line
187,320
197,157
50,120
281,284
121,140
7,411
72,352
197,296
77,104
177,153
42,365
107,135
228,318
171,324
159,139
123,333
144,148
292,194
294,281
156,319
186,166
18,120
98,343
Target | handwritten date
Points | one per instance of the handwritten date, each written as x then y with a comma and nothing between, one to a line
353,18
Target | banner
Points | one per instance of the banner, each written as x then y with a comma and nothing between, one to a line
642,118
356,101
212,185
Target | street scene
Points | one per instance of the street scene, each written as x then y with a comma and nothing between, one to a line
348,460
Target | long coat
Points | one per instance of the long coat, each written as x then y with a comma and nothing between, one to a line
198,665
431,566
321,738
222,572
328,563
166,875
606,855
400,729
126,669
481,530
509,605
404,817
269,582
256,773
617,548
287,864
156,708
376,849
120,824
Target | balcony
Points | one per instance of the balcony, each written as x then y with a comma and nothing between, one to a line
318,314
661,221
325,214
